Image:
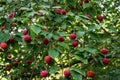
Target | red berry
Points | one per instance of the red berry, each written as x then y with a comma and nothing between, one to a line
15,63
88,16
100,18
63,12
90,73
18,60
58,10
46,19
47,59
44,73
41,14
9,56
45,41
105,61
24,32
9,65
66,73
27,38
8,69
28,61
11,15
61,38
81,3
72,36
3,45
86,1
10,40
74,43
3,27
104,51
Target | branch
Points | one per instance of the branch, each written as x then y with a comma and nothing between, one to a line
73,62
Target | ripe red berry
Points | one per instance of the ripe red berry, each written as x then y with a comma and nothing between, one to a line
24,31
74,43
3,27
9,56
45,41
61,38
57,10
100,18
44,73
27,38
47,59
86,1
63,12
15,63
72,36
104,51
8,69
9,65
88,16
105,61
66,73
28,61
11,15
90,74
81,3
3,45
10,40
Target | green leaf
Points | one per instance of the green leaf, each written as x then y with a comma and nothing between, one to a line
1,8
70,13
15,45
45,6
91,50
49,36
4,37
111,28
97,1
84,60
93,27
56,7
63,78
63,25
44,32
86,5
36,29
58,19
59,50
65,45
78,70
61,33
55,36
76,75
81,49
9,1
31,13
53,53
83,20
54,69
80,34
25,8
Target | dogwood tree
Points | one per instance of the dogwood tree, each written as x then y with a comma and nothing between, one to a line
59,39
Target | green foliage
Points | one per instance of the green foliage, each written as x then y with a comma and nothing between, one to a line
43,21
